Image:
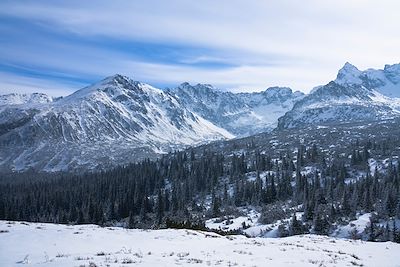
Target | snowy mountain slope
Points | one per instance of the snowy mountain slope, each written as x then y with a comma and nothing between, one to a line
350,98
18,99
114,121
386,81
90,245
353,96
270,105
242,114
133,118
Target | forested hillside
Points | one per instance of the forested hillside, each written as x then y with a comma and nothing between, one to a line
328,187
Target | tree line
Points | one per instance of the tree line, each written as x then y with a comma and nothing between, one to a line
184,188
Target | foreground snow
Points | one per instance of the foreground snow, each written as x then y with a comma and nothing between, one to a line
37,244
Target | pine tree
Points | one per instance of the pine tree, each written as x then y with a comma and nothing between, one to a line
396,234
160,207
371,230
391,203
215,206
143,210
386,233
131,221
295,227
272,190
321,224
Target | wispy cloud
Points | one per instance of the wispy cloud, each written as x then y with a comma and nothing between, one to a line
236,45
15,83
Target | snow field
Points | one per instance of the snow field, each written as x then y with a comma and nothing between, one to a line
38,244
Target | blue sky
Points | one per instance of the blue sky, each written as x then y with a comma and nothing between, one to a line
57,47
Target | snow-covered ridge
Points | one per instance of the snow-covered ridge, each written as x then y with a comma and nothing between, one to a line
91,245
100,124
242,113
119,114
355,95
19,99
385,81
116,86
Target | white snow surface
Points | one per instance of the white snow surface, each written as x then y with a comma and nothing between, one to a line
39,244
357,226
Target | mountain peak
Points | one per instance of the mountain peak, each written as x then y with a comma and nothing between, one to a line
205,85
115,86
392,67
348,74
185,84
278,90
197,86
349,65
349,68
115,79
392,72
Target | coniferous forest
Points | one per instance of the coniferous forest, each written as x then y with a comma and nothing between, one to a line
185,188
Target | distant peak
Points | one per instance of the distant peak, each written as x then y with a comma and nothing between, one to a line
205,85
185,84
281,93
348,74
199,86
392,68
348,65
349,68
278,89
392,72
116,78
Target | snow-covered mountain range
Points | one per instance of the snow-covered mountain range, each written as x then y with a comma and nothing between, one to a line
242,114
385,81
114,121
353,97
19,99
118,120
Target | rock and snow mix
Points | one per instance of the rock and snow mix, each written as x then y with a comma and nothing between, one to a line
231,223
99,126
102,125
38,244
